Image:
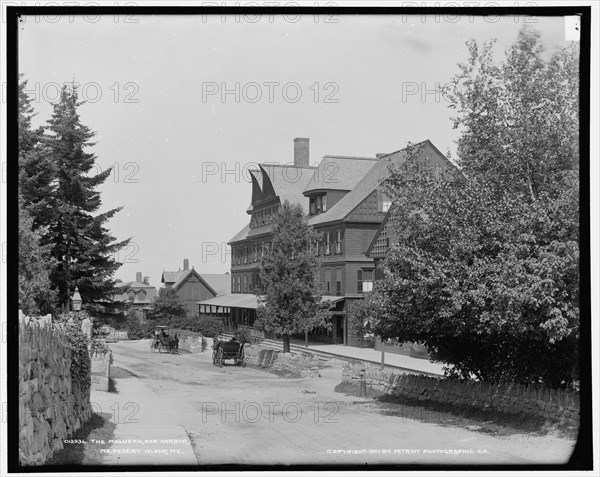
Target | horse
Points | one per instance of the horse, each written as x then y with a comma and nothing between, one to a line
173,344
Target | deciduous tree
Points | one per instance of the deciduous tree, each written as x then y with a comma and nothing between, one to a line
486,271
167,306
291,301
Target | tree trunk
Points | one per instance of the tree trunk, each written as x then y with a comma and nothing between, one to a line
286,343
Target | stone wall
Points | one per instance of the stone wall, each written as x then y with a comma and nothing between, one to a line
51,405
193,344
526,401
304,365
101,371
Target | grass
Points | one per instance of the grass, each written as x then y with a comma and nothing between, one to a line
448,414
98,428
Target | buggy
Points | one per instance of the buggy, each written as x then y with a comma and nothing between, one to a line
162,339
223,350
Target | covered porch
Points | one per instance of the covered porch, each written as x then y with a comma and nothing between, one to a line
235,309
238,313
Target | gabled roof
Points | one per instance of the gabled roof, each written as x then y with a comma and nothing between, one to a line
136,287
385,237
339,173
371,181
181,276
220,282
241,235
119,284
172,277
286,182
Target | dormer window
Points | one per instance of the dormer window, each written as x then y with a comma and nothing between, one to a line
321,204
318,204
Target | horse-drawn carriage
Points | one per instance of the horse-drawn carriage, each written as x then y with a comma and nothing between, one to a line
232,349
164,339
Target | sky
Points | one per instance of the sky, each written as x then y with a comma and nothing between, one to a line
183,106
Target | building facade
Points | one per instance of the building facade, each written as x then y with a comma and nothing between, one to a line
137,296
342,200
192,286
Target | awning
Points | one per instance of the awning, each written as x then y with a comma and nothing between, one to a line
246,300
332,298
233,300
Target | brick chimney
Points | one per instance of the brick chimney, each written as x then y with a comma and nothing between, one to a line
301,158
186,264
138,277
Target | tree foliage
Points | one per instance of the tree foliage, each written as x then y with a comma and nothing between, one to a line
167,306
35,293
362,317
486,272
291,301
60,193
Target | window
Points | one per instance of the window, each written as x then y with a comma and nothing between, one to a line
317,248
328,280
383,202
245,280
246,254
387,203
338,242
320,204
313,206
365,281
314,247
327,243
338,281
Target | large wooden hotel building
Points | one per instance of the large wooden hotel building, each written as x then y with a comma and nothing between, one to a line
342,199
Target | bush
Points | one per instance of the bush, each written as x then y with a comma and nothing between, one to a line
137,331
208,326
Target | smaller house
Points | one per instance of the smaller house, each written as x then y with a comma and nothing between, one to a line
137,295
192,286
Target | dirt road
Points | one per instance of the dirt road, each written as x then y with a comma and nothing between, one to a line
237,415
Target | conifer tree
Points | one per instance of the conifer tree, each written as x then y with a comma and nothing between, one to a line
81,245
